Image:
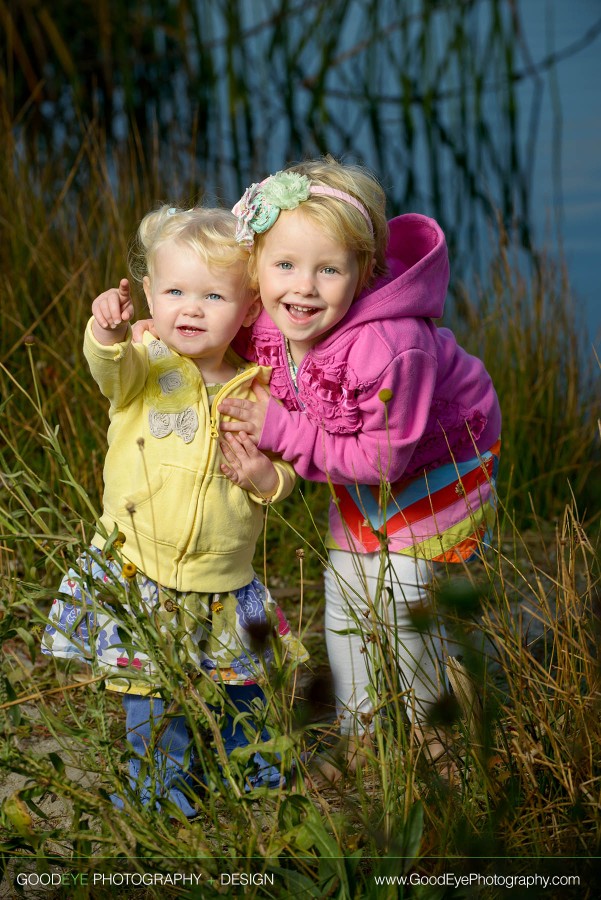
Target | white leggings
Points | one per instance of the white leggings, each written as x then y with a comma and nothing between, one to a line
353,603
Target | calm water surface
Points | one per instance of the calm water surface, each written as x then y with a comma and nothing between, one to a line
466,110
566,195
553,184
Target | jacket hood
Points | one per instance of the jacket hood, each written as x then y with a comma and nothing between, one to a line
417,280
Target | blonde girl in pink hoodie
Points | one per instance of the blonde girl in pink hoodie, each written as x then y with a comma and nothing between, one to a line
369,395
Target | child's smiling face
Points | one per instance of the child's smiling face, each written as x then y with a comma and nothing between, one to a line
307,280
197,309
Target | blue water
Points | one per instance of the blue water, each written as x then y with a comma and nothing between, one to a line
549,181
566,188
356,80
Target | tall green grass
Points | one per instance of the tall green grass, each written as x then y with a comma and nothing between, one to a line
525,753
529,774
524,322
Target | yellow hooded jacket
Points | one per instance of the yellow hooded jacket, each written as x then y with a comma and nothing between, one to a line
186,525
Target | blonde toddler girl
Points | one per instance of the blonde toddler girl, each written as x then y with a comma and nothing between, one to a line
174,546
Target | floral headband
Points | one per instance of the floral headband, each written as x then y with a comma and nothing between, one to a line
261,204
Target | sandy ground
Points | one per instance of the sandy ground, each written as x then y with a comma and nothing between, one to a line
56,809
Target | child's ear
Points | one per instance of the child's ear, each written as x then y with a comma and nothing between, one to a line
147,291
253,312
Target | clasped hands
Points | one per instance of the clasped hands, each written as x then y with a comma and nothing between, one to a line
241,436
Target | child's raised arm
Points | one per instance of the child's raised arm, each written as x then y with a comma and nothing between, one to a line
112,311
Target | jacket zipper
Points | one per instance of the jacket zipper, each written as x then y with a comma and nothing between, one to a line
292,379
247,375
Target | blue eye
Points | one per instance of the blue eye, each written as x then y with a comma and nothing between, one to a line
286,266
330,270
214,297
175,292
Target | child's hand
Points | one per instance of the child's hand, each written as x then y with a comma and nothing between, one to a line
249,415
139,327
248,467
112,311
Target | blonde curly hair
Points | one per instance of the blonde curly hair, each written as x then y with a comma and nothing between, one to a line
209,232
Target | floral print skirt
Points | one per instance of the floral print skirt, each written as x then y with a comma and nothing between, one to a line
122,622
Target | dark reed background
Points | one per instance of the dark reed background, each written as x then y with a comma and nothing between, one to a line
107,108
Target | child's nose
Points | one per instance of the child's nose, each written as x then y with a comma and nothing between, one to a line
305,284
193,307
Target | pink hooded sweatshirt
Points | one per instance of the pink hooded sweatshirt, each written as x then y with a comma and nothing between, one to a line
387,392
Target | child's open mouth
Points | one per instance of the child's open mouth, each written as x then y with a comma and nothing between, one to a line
301,313
188,330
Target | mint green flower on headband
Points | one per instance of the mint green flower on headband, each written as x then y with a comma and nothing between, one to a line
286,190
260,205
258,209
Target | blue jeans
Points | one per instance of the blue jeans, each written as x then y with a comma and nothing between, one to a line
170,779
